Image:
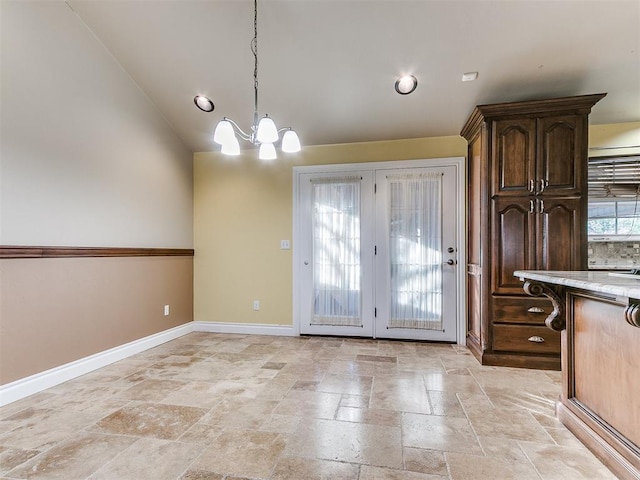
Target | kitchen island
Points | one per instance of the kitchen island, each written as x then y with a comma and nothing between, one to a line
598,315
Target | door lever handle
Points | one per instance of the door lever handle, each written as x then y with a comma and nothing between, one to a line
451,261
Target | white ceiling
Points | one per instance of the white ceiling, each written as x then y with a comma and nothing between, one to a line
327,67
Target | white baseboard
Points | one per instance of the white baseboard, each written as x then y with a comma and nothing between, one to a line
40,381
245,328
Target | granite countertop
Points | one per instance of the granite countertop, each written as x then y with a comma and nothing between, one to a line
593,281
621,268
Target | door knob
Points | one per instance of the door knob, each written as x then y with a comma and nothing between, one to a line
451,261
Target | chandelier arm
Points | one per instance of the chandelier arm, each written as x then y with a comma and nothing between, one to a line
239,131
284,129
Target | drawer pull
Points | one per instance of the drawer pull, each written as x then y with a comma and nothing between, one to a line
536,339
535,310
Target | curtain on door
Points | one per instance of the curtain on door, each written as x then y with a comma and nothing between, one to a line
336,252
415,250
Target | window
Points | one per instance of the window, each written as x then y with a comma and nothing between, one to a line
614,196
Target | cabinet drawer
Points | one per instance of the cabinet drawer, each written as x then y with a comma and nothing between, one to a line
525,339
521,310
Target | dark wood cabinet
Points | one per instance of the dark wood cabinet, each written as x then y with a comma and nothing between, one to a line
599,336
527,177
562,153
514,157
514,242
535,156
561,234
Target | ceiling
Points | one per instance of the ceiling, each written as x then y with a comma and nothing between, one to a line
327,67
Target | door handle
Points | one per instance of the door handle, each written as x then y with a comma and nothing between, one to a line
532,206
451,261
541,206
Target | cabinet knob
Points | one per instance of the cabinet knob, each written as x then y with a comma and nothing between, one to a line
535,310
536,339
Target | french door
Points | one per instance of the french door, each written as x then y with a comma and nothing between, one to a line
377,252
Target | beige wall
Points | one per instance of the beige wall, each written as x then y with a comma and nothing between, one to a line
243,208
57,310
614,135
85,160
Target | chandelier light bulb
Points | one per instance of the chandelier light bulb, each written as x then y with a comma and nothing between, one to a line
290,142
264,134
231,146
267,131
267,152
224,133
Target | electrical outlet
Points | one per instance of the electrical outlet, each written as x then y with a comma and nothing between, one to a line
285,245
166,310
256,304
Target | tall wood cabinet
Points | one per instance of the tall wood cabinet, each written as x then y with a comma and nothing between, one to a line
527,210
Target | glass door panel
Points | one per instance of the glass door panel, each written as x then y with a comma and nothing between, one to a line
337,280
416,287
336,244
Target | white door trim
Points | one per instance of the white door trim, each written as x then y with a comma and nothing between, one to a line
458,162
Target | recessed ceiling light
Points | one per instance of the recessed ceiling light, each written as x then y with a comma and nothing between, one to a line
469,76
406,84
203,103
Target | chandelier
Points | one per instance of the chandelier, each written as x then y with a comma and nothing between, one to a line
264,133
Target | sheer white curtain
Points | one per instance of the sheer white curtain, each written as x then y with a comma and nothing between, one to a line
415,248
336,252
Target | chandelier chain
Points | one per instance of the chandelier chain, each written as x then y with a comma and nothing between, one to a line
264,133
254,49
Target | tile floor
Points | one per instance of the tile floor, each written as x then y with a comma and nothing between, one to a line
231,407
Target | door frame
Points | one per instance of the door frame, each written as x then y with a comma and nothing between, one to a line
458,162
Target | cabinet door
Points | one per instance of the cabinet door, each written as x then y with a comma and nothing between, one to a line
561,160
513,231
513,156
559,231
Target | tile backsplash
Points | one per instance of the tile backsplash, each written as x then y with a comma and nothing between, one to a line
615,255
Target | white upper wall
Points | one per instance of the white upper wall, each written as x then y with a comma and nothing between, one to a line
85,158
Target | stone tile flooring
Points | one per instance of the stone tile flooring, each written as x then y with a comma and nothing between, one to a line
232,407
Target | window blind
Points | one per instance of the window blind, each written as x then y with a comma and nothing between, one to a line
614,177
